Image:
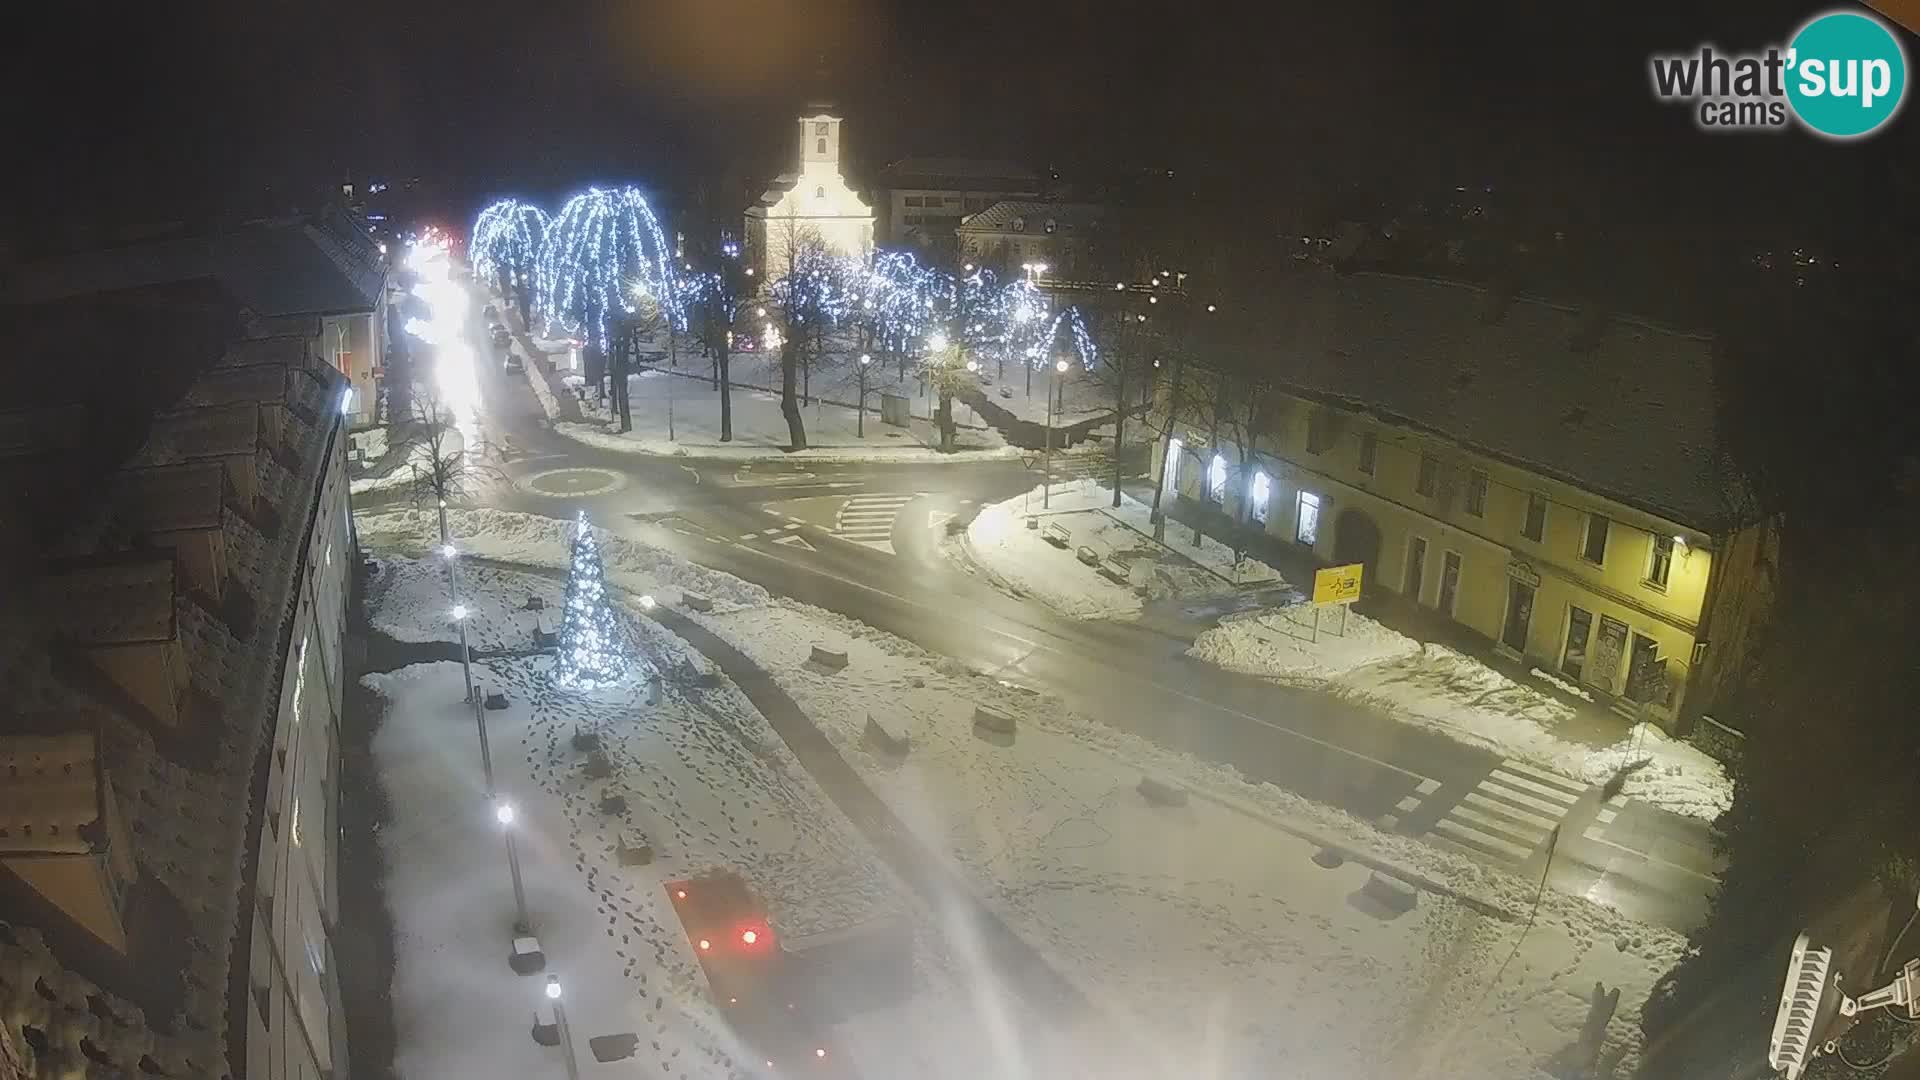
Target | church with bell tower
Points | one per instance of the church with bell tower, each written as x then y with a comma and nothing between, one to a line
813,197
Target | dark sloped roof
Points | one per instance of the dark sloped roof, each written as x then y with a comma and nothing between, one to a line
1630,418
959,174
294,267
115,599
172,497
1000,217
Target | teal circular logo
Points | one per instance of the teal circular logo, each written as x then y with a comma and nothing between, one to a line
1846,75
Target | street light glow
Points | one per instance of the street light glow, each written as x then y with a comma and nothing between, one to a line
973,365
647,603
459,612
937,342
449,550
553,988
865,359
1060,366
503,813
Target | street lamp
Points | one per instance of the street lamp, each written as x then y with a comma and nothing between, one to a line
1046,481
560,1021
466,654
860,414
503,813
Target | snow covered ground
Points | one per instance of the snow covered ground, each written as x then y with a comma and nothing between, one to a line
760,429
1000,542
1202,960
1223,965
418,459
1436,687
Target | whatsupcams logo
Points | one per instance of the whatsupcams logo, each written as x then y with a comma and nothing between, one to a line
1843,76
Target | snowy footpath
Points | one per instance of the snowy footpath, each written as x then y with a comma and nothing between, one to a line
1074,522
1444,690
1210,941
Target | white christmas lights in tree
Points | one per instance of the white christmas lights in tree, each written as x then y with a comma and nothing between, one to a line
507,238
593,648
602,251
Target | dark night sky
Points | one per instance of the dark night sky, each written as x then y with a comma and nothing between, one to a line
157,111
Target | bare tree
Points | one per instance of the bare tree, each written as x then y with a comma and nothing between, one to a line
808,291
447,469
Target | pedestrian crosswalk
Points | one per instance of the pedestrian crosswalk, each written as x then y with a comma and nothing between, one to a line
867,519
1510,813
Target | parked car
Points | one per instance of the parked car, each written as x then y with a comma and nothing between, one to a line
501,338
513,363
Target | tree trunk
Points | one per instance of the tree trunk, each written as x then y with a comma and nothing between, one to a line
943,416
1166,441
789,398
1119,428
723,378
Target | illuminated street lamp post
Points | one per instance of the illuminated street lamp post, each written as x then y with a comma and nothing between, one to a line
560,1021
1046,482
503,813
466,654
860,423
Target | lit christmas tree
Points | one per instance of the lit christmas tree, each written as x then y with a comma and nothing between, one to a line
593,648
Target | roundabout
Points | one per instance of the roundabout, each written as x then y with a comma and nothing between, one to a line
572,482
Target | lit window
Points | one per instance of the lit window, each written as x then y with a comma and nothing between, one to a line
1217,479
1306,527
1535,525
1262,495
1319,438
1369,452
1659,561
1428,481
1477,494
1171,471
1594,547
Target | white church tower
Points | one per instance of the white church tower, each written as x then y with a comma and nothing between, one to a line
813,198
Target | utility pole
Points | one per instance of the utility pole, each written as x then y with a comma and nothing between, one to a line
560,1021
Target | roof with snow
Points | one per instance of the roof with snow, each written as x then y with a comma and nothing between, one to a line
959,174
1627,413
1033,216
117,599
320,265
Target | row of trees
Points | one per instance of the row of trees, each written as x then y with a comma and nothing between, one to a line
602,268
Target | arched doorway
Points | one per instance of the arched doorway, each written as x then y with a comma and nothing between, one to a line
1356,539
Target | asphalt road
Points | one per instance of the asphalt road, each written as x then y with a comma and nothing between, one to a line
774,522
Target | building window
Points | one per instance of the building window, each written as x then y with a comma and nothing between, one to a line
1019,224
1262,497
1317,440
916,200
1217,479
1535,525
1306,528
1369,452
820,147
1170,470
1477,494
1593,547
1659,560
1416,576
820,192
1428,481
1052,225
1579,628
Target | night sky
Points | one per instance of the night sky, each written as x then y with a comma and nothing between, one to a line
162,112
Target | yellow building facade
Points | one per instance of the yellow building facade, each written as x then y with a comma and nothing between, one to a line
1463,507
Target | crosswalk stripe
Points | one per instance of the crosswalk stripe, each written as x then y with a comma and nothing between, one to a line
1606,815
1525,800
1474,838
1522,783
1541,776
1507,811
1427,786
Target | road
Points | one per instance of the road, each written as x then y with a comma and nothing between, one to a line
861,539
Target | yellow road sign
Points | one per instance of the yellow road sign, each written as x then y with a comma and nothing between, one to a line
1337,584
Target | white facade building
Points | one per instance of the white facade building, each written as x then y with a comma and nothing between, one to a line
816,198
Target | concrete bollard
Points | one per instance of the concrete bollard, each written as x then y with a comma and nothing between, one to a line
634,851
496,700
585,741
598,766
613,804
887,736
1162,792
829,658
526,957
999,723
1390,893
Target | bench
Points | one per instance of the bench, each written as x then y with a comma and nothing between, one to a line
832,659
1057,535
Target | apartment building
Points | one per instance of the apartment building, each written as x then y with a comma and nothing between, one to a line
178,549
923,199
1540,475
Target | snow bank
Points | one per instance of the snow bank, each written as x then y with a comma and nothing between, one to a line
1209,962
417,460
1286,644
999,542
511,536
1456,695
